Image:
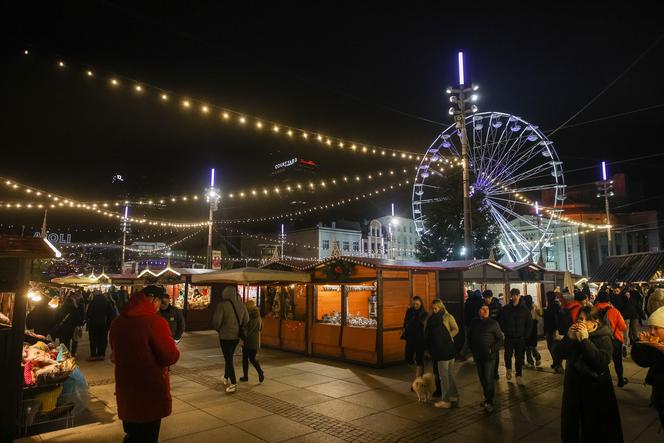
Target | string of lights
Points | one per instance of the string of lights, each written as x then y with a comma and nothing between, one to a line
227,115
114,245
319,207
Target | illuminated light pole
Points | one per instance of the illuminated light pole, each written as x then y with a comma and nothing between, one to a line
282,240
393,222
538,215
212,196
125,220
605,189
459,112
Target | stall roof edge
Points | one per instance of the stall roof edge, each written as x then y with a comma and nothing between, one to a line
14,246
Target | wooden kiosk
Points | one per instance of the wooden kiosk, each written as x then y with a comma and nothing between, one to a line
356,305
16,256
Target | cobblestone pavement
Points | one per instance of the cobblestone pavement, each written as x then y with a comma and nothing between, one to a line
309,400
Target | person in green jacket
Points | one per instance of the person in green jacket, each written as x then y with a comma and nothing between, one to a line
252,343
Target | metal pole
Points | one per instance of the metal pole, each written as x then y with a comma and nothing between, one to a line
124,234
609,234
467,222
44,228
209,243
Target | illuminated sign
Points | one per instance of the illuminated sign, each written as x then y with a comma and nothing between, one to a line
295,161
54,237
286,164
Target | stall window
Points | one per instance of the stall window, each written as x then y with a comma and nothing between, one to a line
272,307
198,297
294,302
6,309
328,304
361,306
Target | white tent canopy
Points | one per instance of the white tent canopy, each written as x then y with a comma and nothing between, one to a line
251,275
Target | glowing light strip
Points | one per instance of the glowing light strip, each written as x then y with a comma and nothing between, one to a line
461,73
320,207
229,115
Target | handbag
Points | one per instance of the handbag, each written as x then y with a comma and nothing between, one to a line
242,334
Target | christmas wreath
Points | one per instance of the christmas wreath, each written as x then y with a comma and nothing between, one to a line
337,269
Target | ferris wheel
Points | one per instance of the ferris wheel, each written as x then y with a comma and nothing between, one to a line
511,164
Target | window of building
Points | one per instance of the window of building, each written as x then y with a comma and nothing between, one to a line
326,244
356,246
346,245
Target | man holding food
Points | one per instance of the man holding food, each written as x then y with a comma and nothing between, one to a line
648,352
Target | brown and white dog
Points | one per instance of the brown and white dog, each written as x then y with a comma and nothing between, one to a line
424,387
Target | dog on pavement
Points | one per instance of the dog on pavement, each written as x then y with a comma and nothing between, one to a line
424,387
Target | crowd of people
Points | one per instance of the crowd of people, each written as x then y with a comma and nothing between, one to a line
587,330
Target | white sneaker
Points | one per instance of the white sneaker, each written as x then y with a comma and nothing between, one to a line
226,381
519,380
508,374
443,404
231,388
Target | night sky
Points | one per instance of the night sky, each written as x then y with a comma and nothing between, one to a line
375,75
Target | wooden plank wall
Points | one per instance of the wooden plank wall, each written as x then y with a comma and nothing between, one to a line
396,298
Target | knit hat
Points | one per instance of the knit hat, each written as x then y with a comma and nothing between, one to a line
580,296
657,318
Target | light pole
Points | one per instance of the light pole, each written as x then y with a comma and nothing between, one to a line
125,226
461,95
539,230
393,222
282,240
213,196
605,189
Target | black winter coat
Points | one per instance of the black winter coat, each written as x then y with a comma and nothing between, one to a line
516,321
649,357
590,409
485,338
413,324
438,339
472,307
175,320
67,318
550,317
100,312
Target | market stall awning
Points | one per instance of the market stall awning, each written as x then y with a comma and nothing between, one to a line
372,262
251,275
30,247
639,267
75,280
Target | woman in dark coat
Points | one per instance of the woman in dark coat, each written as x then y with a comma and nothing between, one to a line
252,343
590,409
413,333
68,317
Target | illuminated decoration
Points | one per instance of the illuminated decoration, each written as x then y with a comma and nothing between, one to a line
507,161
57,253
462,80
166,270
323,206
292,132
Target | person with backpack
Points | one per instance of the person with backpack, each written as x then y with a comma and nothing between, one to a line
440,330
618,327
551,318
494,306
230,320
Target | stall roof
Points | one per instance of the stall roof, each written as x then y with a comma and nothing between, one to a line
251,275
27,247
515,266
455,265
290,263
637,267
74,279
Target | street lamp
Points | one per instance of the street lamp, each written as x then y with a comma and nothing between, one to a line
460,111
605,188
212,196
125,228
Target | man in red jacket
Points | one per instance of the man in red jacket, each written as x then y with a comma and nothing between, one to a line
142,350
618,326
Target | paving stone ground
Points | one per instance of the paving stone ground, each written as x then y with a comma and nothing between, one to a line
308,399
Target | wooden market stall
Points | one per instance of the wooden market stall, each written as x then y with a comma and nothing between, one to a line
16,256
528,278
196,301
281,295
358,304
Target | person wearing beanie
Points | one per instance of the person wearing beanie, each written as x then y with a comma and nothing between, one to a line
573,307
230,320
618,327
648,352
